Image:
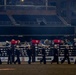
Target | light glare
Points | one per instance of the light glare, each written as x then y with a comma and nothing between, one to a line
22,0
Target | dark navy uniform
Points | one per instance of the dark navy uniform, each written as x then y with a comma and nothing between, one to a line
9,53
74,48
43,56
66,55
33,52
0,59
18,55
12,49
55,59
29,53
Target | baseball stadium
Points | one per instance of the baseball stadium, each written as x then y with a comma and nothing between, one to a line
37,37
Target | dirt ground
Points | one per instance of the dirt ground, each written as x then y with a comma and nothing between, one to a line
38,69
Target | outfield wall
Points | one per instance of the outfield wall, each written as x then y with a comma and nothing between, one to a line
49,58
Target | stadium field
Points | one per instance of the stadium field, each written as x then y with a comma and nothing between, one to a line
38,69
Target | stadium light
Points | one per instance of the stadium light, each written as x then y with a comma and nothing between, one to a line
22,0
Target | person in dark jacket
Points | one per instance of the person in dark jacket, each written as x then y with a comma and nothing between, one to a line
18,55
33,52
43,56
66,55
9,53
29,53
0,59
55,51
13,54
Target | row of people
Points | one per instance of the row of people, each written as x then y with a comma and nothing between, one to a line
45,42
11,54
56,55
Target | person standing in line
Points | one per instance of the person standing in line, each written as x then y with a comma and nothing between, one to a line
9,53
43,56
13,52
29,53
55,51
33,52
18,55
74,48
13,43
66,55
0,58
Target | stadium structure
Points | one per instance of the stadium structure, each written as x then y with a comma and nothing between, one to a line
37,19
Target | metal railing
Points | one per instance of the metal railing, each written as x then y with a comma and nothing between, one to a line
27,7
